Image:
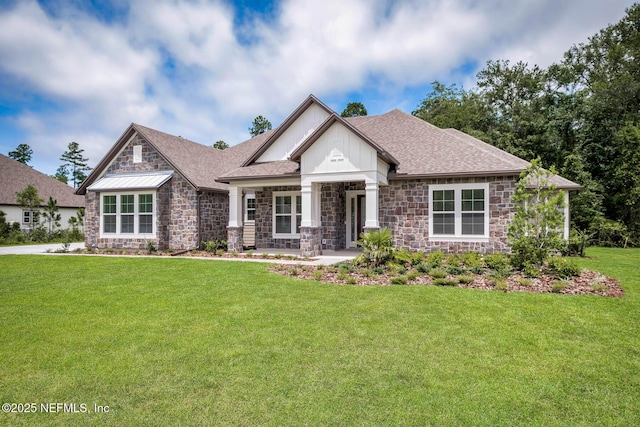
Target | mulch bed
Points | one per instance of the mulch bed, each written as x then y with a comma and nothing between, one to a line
587,283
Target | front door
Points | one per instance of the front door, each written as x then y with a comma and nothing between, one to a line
356,216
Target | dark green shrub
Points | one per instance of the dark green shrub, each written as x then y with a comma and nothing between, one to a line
214,245
403,256
455,270
423,268
529,270
453,260
417,258
413,275
497,261
466,278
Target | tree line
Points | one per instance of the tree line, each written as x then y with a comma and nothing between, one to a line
581,116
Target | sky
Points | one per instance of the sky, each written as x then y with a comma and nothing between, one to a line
74,70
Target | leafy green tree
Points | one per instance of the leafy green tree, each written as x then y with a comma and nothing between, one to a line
220,145
62,174
51,214
259,126
354,109
536,230
22,154
76,161
29,200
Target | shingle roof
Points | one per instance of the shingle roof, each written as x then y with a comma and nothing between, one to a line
199,164
15,176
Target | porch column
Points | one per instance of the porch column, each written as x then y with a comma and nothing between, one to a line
310,230
234,230
371,220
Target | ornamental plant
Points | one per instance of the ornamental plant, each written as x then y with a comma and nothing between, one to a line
536,229
377,246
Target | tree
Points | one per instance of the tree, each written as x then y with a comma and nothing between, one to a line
74,159
22,153
354,109
259,126
537,226
220,145
62,174
29,200
51,214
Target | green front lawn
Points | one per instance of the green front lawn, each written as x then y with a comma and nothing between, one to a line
198,342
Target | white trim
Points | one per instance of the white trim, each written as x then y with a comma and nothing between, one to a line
136,215
293,214
458,236
351,194
249,196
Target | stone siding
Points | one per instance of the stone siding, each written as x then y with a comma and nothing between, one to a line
404,208
332,215
264,220
214,216
176,205
310,241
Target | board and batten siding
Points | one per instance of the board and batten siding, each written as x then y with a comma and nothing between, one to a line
339,150
295,134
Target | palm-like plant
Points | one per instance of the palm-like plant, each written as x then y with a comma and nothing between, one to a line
377,246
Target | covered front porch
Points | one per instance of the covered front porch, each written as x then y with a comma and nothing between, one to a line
310,218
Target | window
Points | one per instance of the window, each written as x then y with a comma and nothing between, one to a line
250,208
459,212
137,153
29,217
127,215
287,214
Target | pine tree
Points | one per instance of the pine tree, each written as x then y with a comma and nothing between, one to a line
77,162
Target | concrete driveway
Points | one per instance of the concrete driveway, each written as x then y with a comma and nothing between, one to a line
36,249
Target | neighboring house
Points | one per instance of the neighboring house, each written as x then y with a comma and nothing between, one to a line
314,183
15,176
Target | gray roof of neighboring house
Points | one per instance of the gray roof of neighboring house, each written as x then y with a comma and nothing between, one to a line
15,176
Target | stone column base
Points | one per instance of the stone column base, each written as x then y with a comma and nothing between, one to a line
234,239
310,241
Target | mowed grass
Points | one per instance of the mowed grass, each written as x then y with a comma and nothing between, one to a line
199,342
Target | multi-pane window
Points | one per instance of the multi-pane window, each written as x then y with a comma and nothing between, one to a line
127,214
287,213
459,211
251,209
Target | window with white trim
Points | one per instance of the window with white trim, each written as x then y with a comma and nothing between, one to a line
29,217
287,214
459,211
250,208
130,214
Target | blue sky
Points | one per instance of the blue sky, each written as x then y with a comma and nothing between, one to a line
73,70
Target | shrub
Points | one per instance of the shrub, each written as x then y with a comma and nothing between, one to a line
453,260
413,275
378,270
264,255
317,275
498,262
530,270
434,259
417,258
377,246
341,276
278,256
403,256
597,286
366,272
351,280
558,286
220,252
471,260
249,254
400,280
564,267
455,270
215,245
525,281
423,268
466,278
577,243
501,285
445,281
438,273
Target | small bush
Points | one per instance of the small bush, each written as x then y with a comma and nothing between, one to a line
455,270
558,286
234,254
497,261
445,281
220,252
438,273
477,269
249,254
524,281
400,280
413,275
434,259
278,256
215,245
293,271
598,286
403,256
378,270
151,247
453,260
472,260
366,272
417,258
564,267
530,270
341,276
501,285
423,268
264,255
317,275
351,280
466,278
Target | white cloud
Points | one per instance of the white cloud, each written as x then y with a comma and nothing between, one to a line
182,66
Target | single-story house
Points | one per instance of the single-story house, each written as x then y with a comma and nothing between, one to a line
314,183
15,176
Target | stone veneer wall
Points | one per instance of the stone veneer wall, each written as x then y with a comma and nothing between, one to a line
176,205
404,208
264,220
332,215
214,216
